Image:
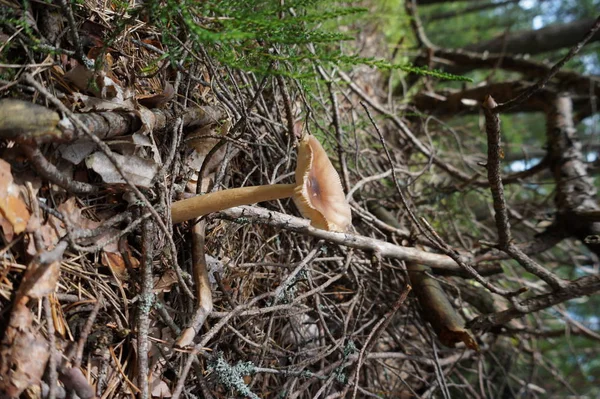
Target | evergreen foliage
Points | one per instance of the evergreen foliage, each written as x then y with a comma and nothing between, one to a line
255,36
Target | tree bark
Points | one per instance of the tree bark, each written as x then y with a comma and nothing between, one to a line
538,41
576,196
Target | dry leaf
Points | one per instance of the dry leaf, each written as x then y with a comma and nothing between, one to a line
58,317
80,77
94,104
116,263
112,258
165,282
160,389
42,274
23,354
159,99
12,207
437,309
76,151
140,171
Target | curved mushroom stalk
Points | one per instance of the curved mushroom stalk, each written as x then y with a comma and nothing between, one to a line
201,205
318,193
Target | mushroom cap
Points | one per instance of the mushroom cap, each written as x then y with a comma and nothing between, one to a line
318,193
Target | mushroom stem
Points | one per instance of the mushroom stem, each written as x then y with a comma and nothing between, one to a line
213,202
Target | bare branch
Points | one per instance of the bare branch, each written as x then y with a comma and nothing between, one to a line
492,127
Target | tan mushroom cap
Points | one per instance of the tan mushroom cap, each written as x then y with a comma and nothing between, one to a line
318,193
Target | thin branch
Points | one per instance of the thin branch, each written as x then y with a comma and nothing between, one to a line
381,325
145,302
339,136
52,361
75,35
492,127
110,155
245,214
578,288
544,80
425,229
48,171
469,10
415,22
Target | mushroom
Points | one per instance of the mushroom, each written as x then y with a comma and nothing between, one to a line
318,192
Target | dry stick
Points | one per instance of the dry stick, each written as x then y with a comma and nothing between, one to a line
244,214
77,351
207,337
377,330
492,128
285,285
338,135
75,35
544,80
166,316
428,231
144,307
110,155
404,130
48,171
52,373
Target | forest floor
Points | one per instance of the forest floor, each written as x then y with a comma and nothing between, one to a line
99,286
106,292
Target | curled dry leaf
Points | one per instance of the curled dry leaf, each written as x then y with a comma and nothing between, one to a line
138,170
14,214
437,309
80,77
165,282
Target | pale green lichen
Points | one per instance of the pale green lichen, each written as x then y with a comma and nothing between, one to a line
232,377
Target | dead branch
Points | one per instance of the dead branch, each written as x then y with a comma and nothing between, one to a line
578,288
492,128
